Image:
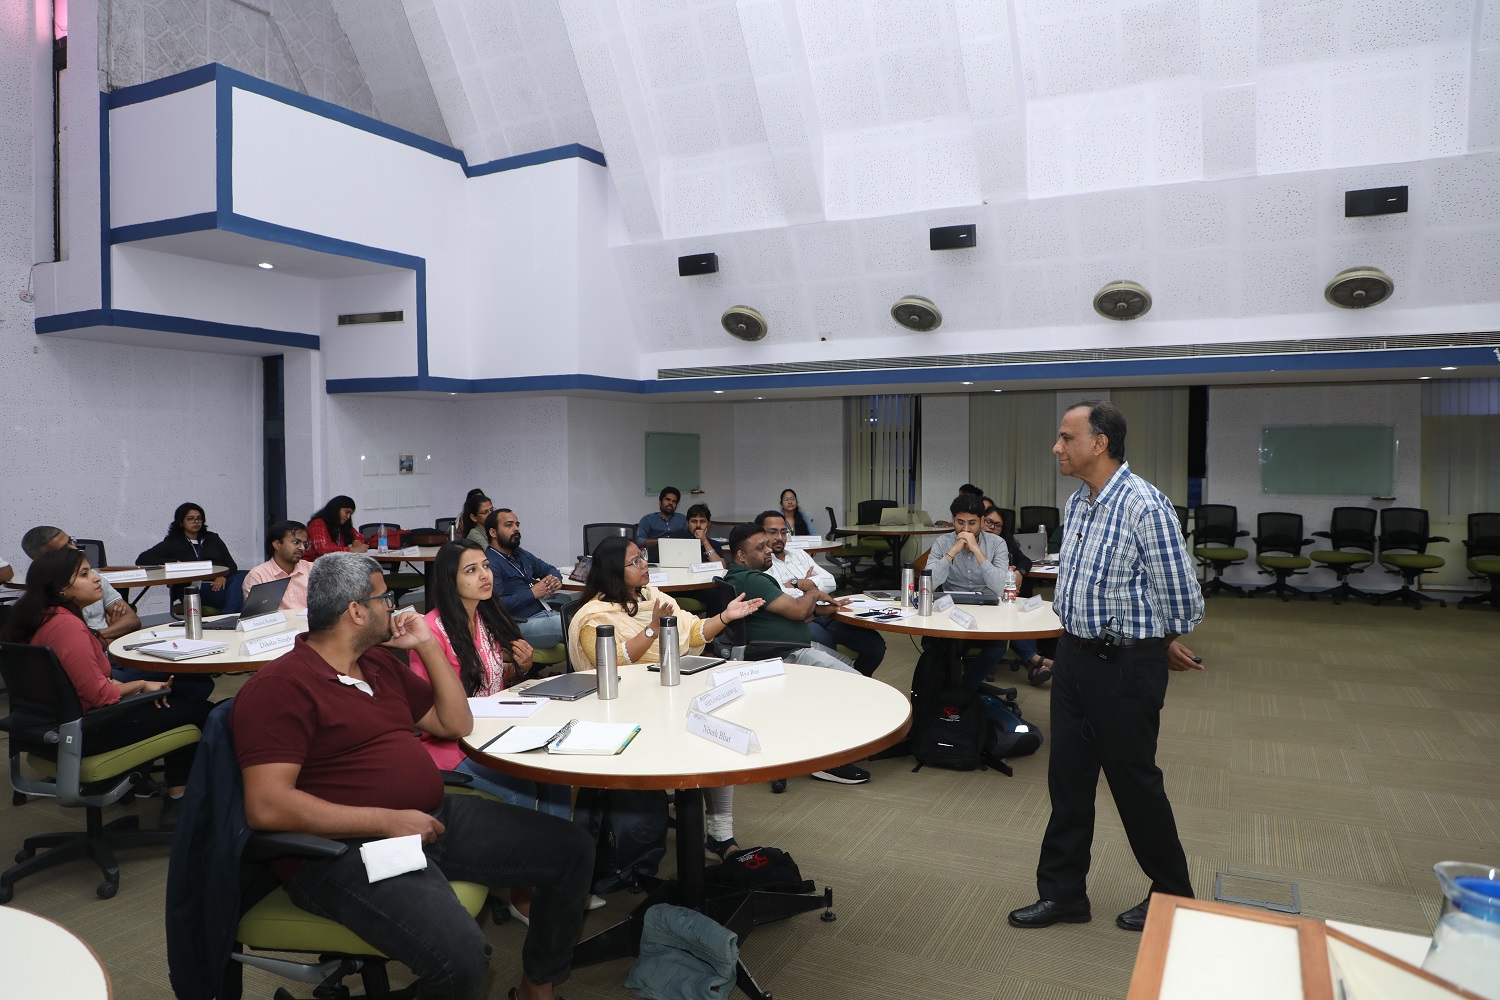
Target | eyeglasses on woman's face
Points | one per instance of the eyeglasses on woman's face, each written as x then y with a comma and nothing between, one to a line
638,561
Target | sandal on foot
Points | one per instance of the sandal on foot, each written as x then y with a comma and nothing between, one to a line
719,849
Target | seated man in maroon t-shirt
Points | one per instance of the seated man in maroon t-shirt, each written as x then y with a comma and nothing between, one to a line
324,737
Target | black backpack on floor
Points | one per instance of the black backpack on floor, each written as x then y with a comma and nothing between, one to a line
1010,735
631,831
954,733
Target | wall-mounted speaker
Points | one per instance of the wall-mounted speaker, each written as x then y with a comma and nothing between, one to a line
952,237
698,263
744,323
1375,201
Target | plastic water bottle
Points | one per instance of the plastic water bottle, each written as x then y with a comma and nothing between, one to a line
1010,585
609,666
924,594
671,653
1042,537
192,612
385,542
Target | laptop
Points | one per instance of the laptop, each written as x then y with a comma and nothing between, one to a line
678,553
262,600
689,665
982,596
564,687
580,573
1032,545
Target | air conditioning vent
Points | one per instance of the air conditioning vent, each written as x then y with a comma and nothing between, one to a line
361,319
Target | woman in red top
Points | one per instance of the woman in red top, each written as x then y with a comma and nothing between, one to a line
59,585
332,530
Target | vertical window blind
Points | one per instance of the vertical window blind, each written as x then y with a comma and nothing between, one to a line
1460,447
1156,437
882,442
1010,441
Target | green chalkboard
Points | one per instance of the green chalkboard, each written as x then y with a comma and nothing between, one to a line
671,460
1328,460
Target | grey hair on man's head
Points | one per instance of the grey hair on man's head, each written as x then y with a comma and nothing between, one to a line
336,579
37,538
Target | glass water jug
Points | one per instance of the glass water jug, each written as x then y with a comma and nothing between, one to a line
1466,943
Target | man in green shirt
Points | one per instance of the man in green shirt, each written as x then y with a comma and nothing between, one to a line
783,618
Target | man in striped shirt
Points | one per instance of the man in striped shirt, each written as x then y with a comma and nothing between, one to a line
1125,592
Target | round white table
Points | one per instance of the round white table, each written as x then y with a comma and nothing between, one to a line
994,621
235,658
798,734
42,958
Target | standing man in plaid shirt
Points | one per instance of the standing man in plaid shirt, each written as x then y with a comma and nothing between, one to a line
1125,592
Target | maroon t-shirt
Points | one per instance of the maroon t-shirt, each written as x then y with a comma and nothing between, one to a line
354,749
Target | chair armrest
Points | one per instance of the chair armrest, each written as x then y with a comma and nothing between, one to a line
766,650
1321,534
1307,541
265,845
1241,533
456,779
1437,538
96,717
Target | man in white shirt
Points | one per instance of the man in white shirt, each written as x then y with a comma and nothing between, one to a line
795,570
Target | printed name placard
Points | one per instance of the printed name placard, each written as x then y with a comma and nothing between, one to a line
942,603
706,567
124,576
804,541
408,610
758,670
1030,604
412,550
725,734
716,698
658,577
187,568
964,620
260,621
280,640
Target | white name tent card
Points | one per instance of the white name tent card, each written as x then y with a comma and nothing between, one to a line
706,567
187,568
124,576
1030,604
717,697
260,621
942,603
411,550
758,670
280,640
658,576
725,734
804,541
964,620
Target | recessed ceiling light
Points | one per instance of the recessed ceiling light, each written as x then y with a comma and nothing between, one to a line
999,390
966,383
453,394
1448,368
1423,378
760,397
718,392
361,458
266,265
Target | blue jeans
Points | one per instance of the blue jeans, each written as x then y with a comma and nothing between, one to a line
415,918
868,644
543,630
554,800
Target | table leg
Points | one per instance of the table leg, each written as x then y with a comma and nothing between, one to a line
690,836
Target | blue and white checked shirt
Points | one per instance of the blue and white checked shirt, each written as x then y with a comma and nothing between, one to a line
1123,556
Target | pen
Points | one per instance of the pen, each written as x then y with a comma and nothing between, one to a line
496,737
532,702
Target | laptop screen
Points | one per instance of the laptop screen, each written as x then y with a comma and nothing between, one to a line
580,572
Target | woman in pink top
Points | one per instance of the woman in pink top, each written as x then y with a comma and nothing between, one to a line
59,585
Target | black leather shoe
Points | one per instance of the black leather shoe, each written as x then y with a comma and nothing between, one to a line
1045,913
1134,919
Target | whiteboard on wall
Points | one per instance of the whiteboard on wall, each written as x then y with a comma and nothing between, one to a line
1328,460
671,460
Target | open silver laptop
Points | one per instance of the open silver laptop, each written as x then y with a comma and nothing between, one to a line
1032,545
678,553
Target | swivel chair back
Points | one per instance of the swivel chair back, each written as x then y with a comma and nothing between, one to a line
598,531
1351,531
1403,550
1483,549
1215,531
1037,516
1278,552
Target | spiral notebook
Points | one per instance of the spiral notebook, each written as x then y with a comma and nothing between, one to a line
603,739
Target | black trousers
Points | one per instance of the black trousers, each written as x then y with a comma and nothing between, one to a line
1107,716
146,721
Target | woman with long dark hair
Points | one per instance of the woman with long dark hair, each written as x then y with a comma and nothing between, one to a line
799,522
189,540
332,529
59,585
485,648
471,522
616,593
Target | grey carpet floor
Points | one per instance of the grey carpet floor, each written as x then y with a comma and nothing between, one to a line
1345,749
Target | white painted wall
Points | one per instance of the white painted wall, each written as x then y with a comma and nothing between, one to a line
790,443
173,285
1235,418
148,185
379,349
945,451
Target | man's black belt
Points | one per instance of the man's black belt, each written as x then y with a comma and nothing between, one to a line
1091,644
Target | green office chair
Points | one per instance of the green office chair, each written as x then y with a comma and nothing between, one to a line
1216,529
47,723
1483,547
847,559
1403,551
1351,531
1278,552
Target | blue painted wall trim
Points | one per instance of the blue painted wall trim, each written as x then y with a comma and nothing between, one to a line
166,227
174,324
539,156
176,83
530,383
70,321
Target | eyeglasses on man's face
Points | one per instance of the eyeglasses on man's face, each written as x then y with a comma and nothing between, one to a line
389,597
777,532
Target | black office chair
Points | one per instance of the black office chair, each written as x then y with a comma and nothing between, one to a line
442,524
732,642
847,558
1182,518
47,723
869,510
1216,529
568,611
1351,532
401,583
1403,550
869,513
598,531
1278,552
1035,517
1483,548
